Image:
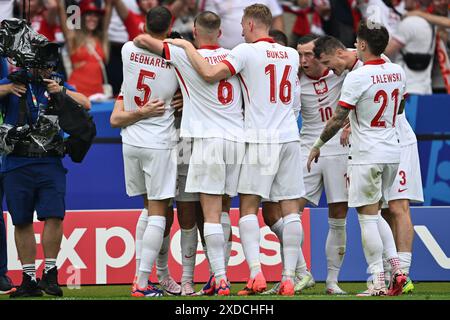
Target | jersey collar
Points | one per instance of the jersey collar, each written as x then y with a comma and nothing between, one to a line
210,47
375,62
270,40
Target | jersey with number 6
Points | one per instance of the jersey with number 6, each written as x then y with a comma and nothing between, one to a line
147,76
320,98
373,92
268,73
209,110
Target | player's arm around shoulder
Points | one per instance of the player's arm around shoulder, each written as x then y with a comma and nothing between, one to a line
146,41
121,118
209,73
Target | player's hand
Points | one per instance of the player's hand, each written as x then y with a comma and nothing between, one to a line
154,108
17,89
345,135
313,155
53,86
177,101
179,43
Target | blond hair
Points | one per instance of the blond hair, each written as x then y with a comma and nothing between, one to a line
259,12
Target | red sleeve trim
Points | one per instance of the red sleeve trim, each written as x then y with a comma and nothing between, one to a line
230,66
119,98
166,51
346,105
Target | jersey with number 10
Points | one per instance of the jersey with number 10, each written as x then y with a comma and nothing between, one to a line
268,73
374,92
147,76
209,110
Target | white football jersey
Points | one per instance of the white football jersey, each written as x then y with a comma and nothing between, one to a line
209,110
147,76
268,73
320,98
373,92
405,132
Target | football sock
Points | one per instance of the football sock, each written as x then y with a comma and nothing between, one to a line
140,229
226,226
188,242
49,264
405,261
277,228
335,248
151,245
30,269
371,242
215,242
389,248
162,261
250,234
292,237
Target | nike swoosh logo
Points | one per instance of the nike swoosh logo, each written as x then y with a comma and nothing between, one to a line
188,257
401,190
321,99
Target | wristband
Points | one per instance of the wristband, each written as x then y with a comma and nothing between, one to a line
318,144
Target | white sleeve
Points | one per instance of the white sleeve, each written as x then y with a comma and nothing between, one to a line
351,91
174,55
237,58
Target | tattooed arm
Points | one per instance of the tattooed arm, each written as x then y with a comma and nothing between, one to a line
332,127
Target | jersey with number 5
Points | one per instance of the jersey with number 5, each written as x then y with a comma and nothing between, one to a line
268,73
209,110
147,76
373,92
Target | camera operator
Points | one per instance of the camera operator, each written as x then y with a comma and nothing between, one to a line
34,178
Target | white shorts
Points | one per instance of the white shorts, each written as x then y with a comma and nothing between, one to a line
272,171
182,195
370,183
408,182
150,171
329,172
215,166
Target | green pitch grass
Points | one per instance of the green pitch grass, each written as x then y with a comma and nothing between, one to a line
423,291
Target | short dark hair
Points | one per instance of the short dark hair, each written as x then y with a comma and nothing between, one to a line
158,20
279,36
376,36
307,38
327,45
208,20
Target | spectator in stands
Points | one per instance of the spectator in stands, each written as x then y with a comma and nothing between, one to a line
231,12
412,46
386,12
441,67
343,21
185,22
88,47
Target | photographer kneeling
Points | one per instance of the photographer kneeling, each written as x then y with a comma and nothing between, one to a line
32,147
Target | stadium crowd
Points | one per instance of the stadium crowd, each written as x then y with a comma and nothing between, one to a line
104,56
107,24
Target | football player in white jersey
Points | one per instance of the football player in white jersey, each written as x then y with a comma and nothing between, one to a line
371,97
213,117
149,143
268,73
333,54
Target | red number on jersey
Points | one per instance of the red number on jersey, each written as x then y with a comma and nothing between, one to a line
326,113
377,122
142,86
285,85
225,88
